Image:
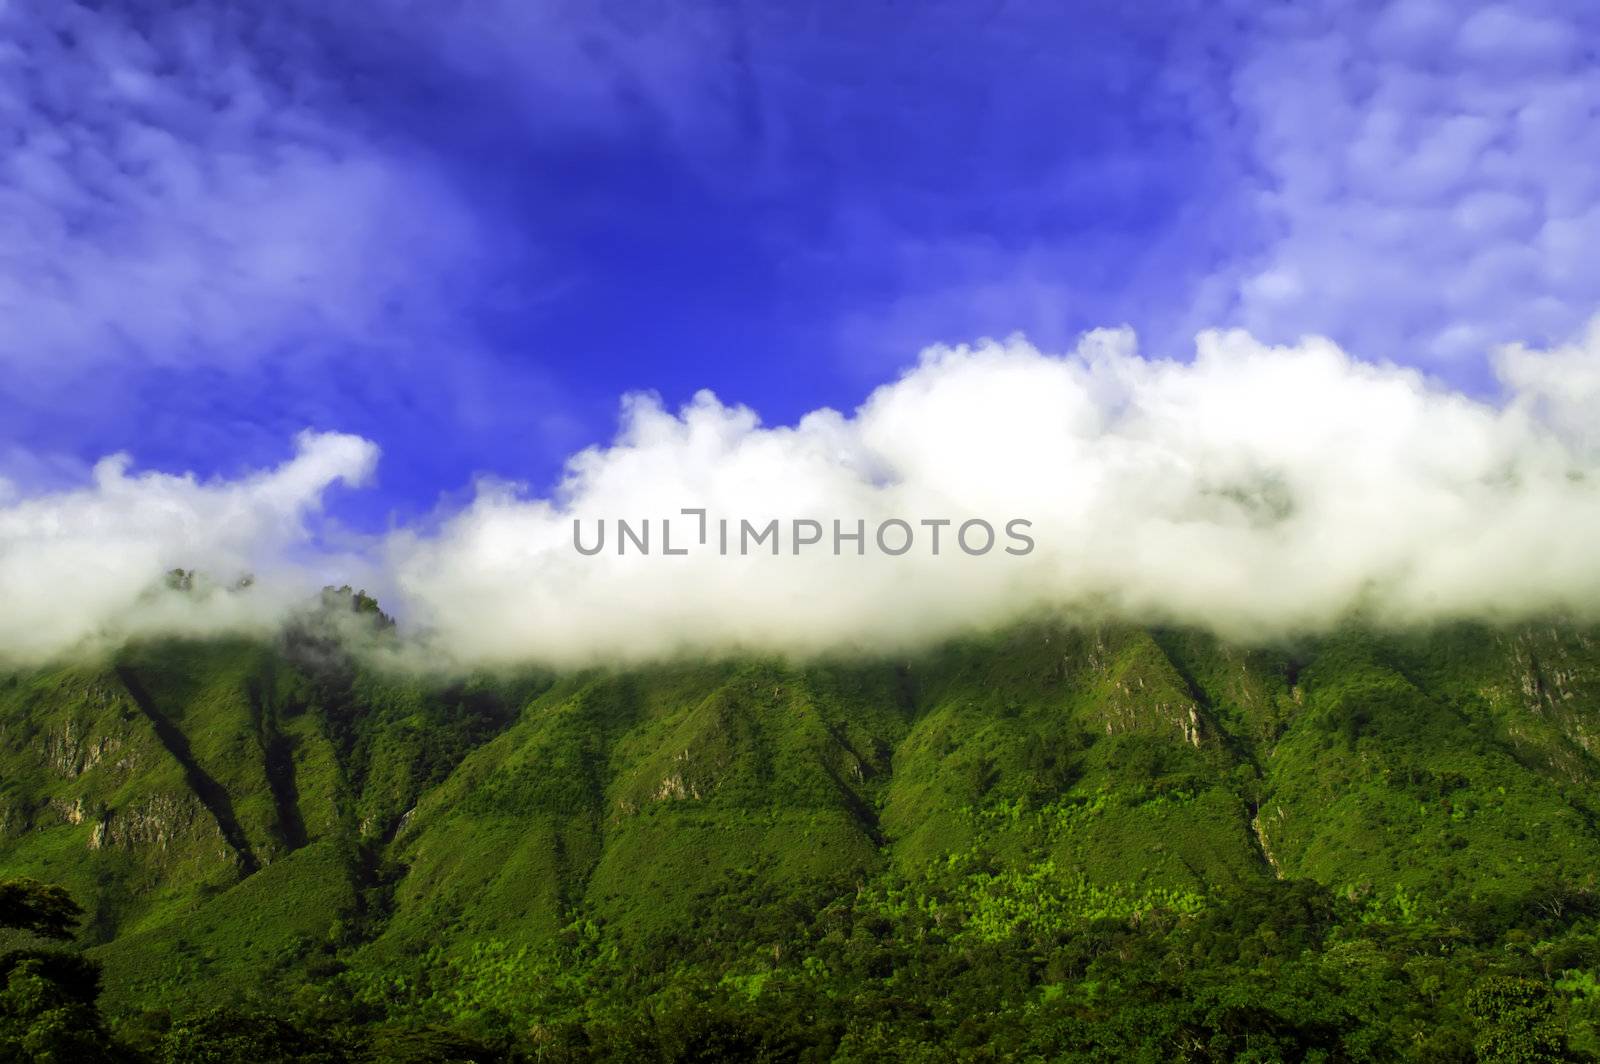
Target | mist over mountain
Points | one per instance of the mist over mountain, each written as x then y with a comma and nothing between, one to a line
660,533
1259,493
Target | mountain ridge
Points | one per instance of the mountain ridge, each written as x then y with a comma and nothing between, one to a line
238,816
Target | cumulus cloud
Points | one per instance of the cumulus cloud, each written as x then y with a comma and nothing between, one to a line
82,568
1561,386
1254,491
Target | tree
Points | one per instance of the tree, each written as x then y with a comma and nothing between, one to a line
47,996
1516,1022
40,908
226,1036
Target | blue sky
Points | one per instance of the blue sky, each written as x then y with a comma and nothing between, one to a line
464,231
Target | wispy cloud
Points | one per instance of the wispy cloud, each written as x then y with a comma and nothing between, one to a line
1422,163
206,241
174,193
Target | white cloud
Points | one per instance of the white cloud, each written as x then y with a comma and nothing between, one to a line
1419,169
82,568
1254,491
177,189
1560,387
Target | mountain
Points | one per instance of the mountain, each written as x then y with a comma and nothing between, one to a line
1051,842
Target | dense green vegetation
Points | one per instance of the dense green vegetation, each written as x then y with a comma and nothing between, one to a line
1044,844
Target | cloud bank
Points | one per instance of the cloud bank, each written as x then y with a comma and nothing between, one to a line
1255,491
84,568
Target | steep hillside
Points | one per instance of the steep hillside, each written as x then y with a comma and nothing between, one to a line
249,821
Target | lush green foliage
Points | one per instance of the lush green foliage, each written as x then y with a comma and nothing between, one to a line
1046,844
38,908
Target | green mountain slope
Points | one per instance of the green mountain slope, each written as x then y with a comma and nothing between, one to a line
246,821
